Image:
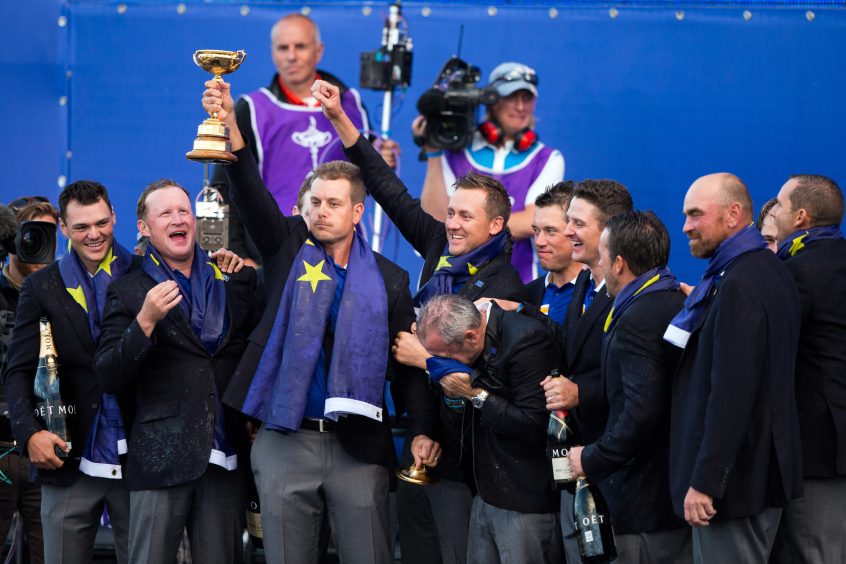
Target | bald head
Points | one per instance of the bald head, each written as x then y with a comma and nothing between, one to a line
295,19
716,207
728,189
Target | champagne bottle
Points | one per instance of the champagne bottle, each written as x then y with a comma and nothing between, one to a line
254,515
50,409
559,439
593,524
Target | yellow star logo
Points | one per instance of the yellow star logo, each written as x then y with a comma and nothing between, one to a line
78,296
472,269
313,275
797,245
106,263
443,263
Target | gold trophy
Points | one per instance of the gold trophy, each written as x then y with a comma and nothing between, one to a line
212,142
415,475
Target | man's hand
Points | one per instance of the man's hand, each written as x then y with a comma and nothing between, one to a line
390,151
457,385
408,350
227,261
160,299
686,289
575,456
41,452
217,98
560,392
418,133
329,97
698,508
426,452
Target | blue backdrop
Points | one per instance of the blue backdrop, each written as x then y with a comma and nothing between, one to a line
651,94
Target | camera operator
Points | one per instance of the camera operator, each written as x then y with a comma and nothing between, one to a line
18,492
506,147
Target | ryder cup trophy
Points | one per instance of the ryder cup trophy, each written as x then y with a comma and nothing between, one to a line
212,142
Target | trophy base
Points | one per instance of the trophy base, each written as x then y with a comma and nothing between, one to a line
211,156
414,475
212,143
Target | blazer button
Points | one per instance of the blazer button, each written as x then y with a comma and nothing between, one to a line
211,396
94,406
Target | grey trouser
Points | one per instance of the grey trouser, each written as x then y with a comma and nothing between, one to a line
301,475
655,547
70,517
510,537
748,540
212,508
813,528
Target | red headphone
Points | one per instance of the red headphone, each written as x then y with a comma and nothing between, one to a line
523,140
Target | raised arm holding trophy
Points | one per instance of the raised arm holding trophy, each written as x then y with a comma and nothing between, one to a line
212,142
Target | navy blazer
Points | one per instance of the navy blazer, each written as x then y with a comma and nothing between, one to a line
44,295
508,442
172,380
820,274
734,433
630,461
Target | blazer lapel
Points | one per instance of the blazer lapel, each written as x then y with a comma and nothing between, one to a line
587,321
478,283
77,317
606,347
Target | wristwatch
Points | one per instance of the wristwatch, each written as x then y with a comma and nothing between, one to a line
479,400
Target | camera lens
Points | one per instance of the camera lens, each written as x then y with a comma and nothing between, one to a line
36,242
32,242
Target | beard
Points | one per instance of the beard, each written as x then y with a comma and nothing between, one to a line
703,248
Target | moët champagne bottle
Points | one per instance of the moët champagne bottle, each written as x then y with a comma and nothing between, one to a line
559,439
50,409
593,524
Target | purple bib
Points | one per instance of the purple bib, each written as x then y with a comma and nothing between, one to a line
517,182
293,140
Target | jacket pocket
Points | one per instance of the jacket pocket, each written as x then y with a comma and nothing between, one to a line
160,410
